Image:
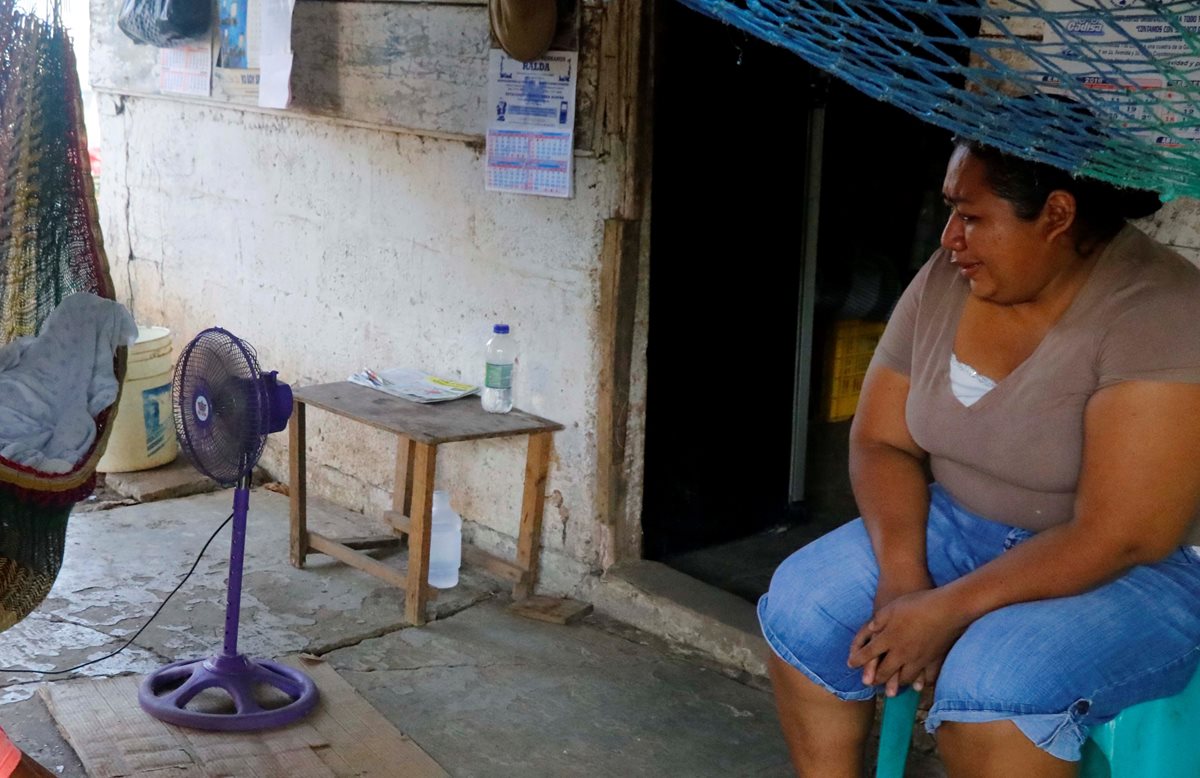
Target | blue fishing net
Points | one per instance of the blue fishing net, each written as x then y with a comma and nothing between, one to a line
1103,88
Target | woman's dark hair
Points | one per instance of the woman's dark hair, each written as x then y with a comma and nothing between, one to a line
1100,208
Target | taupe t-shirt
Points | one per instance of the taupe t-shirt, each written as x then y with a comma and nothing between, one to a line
1014,456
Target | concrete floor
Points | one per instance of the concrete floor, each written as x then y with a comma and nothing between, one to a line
484,692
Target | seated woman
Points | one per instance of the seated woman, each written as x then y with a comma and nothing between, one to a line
1045,365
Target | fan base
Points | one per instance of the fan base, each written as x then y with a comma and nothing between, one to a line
166,692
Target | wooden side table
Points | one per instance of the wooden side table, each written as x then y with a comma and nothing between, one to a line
421,428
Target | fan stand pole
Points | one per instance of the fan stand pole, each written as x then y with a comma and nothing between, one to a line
237,553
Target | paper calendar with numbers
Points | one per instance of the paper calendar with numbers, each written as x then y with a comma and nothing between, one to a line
531,124
187,69
1133,44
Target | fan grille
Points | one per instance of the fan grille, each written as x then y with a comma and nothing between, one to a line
220,405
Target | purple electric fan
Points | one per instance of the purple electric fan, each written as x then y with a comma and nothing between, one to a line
224,409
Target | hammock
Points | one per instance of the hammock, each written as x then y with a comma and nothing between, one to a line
50,247
1130,68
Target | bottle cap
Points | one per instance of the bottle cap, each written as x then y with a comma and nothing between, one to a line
500,329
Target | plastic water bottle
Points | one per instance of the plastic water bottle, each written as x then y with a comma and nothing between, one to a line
498,380
445,543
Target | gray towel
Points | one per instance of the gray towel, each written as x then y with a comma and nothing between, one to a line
53,385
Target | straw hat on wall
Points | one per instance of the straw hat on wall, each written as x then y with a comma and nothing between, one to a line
524,28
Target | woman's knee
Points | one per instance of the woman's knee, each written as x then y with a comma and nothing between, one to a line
836,573
816,603
965,736
996,748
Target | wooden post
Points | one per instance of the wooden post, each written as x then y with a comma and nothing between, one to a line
618,293
529,540
623,113
297,486
403,485
424,469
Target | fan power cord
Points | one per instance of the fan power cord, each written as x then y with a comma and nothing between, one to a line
154,615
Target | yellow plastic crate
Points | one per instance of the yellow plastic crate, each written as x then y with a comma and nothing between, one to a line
852,344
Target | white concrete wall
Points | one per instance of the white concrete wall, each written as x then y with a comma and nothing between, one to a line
1178,226
330,247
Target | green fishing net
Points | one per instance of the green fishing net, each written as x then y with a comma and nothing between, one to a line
1110,87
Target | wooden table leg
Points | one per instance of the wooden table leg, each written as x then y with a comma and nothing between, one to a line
529,541
297,486
424,469
403,484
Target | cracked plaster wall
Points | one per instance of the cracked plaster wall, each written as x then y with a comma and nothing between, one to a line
331,244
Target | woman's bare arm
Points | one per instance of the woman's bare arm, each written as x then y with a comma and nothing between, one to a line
1138,491
888,477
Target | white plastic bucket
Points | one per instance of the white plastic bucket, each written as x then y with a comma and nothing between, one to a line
143,431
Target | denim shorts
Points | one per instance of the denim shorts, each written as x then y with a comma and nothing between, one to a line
1055,668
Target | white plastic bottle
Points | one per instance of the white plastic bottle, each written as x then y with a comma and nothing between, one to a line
445,543
498,380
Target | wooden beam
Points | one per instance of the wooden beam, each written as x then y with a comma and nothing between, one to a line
554,610
624,100
638,97
399,521
333,548
297,487
618,293
370,541
402,493
624,131
424,470
477,557
402,486
529,539
339,550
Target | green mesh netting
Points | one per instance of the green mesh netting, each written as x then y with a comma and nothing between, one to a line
31,550
49,239
1134,66
50,247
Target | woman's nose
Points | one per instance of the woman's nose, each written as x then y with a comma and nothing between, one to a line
953,237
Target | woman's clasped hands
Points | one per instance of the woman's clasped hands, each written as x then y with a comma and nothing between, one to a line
906,640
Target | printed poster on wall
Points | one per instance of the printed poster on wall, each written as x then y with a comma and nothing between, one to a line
1125,50
186,70
275,60
236,75
247,59
531,123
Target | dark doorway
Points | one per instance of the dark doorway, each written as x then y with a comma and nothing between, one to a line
730,163
724,280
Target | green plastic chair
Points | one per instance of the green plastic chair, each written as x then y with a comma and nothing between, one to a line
1155,739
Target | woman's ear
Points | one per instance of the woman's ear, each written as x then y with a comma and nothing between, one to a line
1058,214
